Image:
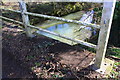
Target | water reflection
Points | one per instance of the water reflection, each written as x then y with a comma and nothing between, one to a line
71,30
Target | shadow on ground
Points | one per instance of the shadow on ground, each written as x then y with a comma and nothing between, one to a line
45,57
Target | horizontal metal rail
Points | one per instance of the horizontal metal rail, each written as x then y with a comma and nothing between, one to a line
94,1
58,18
12,10
78,41
107,15
68,38
40,29
65,20
11,20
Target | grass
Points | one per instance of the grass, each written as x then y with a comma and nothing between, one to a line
113,52
114,73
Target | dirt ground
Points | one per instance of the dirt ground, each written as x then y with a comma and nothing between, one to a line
42,57
12,68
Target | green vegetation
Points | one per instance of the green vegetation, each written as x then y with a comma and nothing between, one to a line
117,11
115,73
61,9
0,27
57,9
30,57
114,52
115,31
37,63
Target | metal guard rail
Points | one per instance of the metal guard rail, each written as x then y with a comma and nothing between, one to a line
58,18
68,38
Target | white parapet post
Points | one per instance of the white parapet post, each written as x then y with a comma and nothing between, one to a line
107,15
25,18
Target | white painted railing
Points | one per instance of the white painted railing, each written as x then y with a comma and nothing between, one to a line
106,21
95,1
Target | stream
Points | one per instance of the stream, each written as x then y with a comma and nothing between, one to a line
72,30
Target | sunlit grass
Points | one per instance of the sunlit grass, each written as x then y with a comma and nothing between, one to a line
114,73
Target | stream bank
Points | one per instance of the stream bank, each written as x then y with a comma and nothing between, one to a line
47,58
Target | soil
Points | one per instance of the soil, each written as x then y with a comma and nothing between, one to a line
46,58
12,68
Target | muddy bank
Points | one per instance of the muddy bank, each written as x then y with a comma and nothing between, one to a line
47,58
